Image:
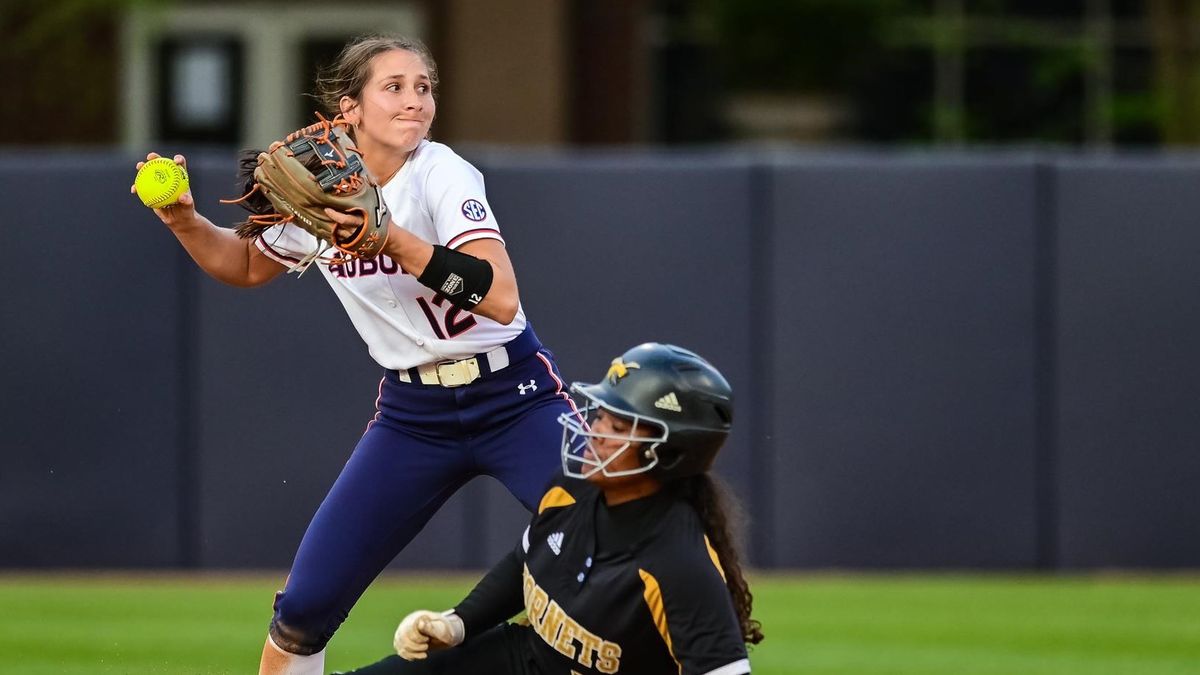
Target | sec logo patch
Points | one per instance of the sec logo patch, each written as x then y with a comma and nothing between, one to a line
473,210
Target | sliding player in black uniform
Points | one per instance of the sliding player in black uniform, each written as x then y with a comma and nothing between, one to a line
628,565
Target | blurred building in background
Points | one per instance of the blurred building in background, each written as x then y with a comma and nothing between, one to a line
135,72
578,72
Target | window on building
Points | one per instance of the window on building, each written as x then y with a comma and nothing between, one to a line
200,89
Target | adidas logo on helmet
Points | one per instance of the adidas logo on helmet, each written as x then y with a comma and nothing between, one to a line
669,402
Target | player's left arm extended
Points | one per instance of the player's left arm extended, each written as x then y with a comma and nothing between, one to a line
497,597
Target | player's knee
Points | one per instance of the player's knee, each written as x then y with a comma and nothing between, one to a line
300,630
297,639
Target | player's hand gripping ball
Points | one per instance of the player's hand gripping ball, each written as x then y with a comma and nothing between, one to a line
160,182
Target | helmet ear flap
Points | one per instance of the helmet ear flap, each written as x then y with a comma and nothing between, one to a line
669,458
723,412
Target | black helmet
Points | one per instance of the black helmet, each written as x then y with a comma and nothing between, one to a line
684,400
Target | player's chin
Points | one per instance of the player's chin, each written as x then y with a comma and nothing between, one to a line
408,138
603,480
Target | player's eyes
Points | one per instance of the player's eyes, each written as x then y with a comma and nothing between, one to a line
393,87
423,88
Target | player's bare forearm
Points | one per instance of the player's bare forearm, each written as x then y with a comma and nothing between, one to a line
218,252
411,252
223,255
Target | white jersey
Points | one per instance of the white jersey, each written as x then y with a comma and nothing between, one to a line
439,197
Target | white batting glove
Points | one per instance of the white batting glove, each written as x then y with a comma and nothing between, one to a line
424,631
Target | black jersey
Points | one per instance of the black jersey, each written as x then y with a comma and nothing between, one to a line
634,588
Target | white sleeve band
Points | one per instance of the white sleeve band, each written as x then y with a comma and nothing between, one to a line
736,668
457,628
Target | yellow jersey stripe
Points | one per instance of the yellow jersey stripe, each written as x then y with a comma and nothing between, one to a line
653,596
712,553
556,497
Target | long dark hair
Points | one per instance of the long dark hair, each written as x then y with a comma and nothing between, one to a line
721,514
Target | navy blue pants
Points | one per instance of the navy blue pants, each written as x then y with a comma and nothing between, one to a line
424,444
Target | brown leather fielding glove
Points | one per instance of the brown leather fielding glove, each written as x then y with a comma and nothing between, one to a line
314,168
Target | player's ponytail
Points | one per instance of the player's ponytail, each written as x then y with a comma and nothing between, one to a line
720,512
252,199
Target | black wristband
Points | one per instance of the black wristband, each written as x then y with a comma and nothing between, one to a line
462,279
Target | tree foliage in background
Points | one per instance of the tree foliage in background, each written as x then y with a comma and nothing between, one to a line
801,45
1026,81
61,66
1174,24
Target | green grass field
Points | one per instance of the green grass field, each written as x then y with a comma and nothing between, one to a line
819,624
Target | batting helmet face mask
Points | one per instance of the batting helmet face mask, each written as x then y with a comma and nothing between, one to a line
678,406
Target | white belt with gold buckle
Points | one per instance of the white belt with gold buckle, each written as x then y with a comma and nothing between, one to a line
457,373
450,373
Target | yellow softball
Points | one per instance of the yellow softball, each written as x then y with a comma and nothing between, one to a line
160,182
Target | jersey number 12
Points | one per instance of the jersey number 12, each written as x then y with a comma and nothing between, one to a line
454,324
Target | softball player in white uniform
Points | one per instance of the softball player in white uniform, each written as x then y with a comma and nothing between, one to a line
467,390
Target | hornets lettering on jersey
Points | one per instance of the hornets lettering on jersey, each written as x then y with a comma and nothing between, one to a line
560,631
